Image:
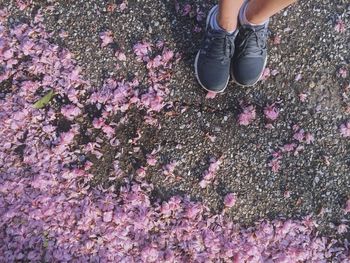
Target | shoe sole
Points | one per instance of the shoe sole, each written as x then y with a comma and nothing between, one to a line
197,56
250,85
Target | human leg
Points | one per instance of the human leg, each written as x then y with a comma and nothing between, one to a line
250,55
258,11
212,63
228,14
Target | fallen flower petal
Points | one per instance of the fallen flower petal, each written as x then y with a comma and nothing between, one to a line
347,207
275,165
107,38
210,95
230,200
345,129
247,116
340,26
271,112
120,56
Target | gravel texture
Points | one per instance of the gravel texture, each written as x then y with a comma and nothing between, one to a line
317,178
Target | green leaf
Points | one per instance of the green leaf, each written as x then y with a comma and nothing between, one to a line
44,100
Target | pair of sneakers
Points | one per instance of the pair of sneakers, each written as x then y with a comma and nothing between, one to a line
242,54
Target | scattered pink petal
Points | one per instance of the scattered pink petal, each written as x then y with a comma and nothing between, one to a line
197,29
266,74
271,112
151,160
123,6
345,129
108,130
167,56
230,200
277,155
274,72
309,138
247,116
107,216
200,15
347,207
296,127
193,210
286,194
211,138
141,172
22,4
275,165
170,168
303,97
289,147
340,26
120,56
298,149
342,229
343,72
142,51
186,9
63,34
299,135
298,77
70,111
160,44
210,174
203,183
98,123
211,95
277,40
107,38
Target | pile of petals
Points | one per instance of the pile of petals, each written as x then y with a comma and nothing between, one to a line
50,213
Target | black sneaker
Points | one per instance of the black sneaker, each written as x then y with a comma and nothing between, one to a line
212,64
250,55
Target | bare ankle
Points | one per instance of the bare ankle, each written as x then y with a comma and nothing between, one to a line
253,17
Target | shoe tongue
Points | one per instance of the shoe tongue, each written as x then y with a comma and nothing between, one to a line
219,45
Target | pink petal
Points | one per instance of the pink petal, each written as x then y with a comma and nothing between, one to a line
151,160
345,129
120,56
347,207
340,26
107,38
107,216
277,40
309,138
299,135
247,116
275,165
271,112
211,95
266,74
343,72
230,200
302,97
298,77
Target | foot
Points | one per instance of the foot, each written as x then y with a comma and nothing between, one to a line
250,55
212,64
